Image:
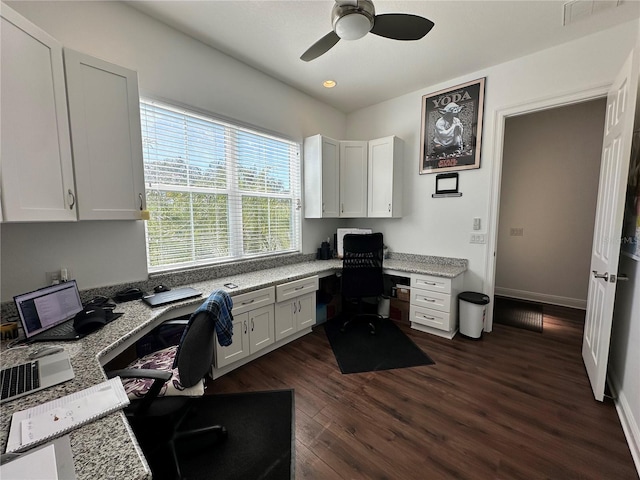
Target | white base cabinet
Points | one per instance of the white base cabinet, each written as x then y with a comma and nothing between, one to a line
260,325
253,326
434,304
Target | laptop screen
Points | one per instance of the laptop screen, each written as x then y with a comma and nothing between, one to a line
47,307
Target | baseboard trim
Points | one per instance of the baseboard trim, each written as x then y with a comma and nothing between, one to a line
629,424
542,298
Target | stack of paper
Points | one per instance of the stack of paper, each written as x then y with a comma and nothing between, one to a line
44,422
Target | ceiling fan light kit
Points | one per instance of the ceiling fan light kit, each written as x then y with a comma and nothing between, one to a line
351,22
353,19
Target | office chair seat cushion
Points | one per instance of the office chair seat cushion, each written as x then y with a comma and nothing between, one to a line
137,388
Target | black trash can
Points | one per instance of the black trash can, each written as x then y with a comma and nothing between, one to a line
471,310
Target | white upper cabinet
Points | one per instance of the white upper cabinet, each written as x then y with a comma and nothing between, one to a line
353,179
385,177
104,114
37,171
321,177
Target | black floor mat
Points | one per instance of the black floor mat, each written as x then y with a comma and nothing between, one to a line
357,350
518,313
260,442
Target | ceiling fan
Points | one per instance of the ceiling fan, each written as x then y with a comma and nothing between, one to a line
353,19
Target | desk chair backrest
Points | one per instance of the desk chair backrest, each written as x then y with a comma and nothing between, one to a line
362,265
195,353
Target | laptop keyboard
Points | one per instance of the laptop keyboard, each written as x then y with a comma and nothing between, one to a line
19,379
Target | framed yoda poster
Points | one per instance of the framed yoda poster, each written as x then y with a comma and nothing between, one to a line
452,128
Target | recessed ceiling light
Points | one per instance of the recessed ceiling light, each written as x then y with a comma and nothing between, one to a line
329,83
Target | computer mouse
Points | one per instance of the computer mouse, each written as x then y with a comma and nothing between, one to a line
161,288
89,320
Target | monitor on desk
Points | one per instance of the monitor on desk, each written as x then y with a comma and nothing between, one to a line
341,232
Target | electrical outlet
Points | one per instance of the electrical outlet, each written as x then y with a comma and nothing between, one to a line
476,223
477,238
52,278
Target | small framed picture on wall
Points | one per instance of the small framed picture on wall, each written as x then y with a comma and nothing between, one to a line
452,128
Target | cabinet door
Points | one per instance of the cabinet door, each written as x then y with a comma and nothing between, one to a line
261,328
37,169
306,311
285,318
239,347
321,177
104,113
384,177
353,179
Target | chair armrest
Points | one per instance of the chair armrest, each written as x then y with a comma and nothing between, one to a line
159,378
140,373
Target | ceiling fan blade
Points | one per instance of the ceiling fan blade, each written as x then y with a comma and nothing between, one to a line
320,47
401,26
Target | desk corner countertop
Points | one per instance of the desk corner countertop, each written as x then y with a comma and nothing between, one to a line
107,447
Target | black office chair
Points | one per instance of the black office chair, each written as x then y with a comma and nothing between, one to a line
362,273
157,408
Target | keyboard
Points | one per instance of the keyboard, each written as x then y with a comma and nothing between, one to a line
19,379
62,330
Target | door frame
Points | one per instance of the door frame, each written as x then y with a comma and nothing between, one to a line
500,116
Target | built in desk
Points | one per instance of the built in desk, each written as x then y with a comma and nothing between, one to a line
107,447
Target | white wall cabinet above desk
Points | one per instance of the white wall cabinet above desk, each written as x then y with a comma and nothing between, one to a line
353,179
37,169
104,114
384,185
321,177
90,170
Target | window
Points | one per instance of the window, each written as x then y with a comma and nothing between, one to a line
216,191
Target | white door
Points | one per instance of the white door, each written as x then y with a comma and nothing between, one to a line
614,170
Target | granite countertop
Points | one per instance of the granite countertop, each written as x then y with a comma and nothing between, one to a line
107,447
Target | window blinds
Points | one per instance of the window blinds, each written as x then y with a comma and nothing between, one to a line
216,191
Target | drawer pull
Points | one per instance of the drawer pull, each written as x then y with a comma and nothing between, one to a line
249,302
431,283
428,318
429,300
299,288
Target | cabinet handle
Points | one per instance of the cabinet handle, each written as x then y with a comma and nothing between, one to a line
253,326
323,208
249,302
245,326
299,288
342,208
299,306
389,208
141,201
73,200
428,318
294,308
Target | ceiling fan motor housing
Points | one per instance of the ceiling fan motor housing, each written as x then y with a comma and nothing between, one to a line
353,21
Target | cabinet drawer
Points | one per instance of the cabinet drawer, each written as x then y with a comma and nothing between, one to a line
430,318
431,283
296,288
434,300
250,300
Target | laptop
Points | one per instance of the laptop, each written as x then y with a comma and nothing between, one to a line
35,375
47,314
175,295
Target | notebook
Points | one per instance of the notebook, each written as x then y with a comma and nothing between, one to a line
49,420
174,295
47,314
35,375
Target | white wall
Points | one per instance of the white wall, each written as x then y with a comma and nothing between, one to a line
443,226
172,66
549,188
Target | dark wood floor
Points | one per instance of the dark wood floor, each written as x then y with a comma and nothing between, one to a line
514,405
